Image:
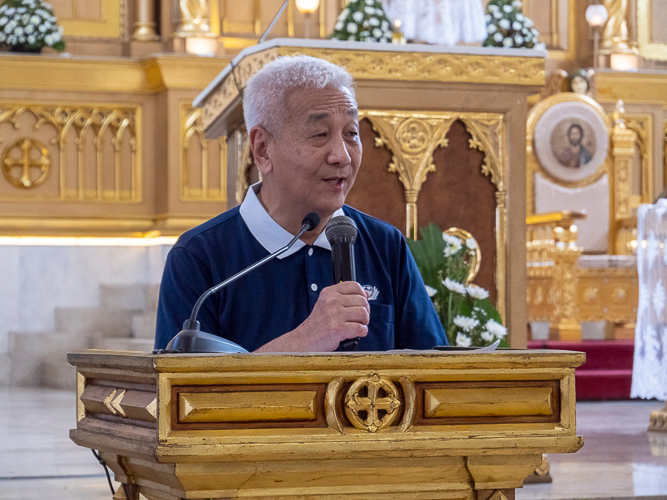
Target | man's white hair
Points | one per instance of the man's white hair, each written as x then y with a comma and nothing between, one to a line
266,91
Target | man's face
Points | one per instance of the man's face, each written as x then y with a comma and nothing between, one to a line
317,154
574,135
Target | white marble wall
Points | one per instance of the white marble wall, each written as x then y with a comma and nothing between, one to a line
34,280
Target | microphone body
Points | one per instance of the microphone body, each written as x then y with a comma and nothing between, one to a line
192,339
342,233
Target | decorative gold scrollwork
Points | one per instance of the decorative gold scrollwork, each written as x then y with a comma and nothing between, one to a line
22,160
475,256
375,397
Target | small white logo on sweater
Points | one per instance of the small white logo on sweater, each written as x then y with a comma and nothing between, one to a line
373,292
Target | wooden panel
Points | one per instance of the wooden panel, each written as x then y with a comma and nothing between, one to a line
107,400
246,406
377,191
445,199
488,402
499,402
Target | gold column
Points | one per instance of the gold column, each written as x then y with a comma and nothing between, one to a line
144,26
623,148
565,257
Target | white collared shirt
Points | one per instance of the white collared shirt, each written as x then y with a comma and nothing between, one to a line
271,235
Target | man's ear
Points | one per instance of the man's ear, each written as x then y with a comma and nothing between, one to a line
260,140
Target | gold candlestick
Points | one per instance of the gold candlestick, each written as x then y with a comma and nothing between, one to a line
397,37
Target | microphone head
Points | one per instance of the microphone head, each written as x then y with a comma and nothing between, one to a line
341,228
312,220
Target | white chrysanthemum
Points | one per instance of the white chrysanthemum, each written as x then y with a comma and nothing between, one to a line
495,328
18,31
339,25
374,21
3,37
351,28
377,32
516,25
498,37
507,42
385,25
369,10
493,8
3,21
22,39
463,340
491,29
11,11
488,18
541,46
370,2
518,39
466,323
344,14
517,4
430,290
504,24
32,39
454,286
520,17
477,292
497,14
658,298
507,8
25,19
29,29
450,239
21,10
471,244
358,16
487,336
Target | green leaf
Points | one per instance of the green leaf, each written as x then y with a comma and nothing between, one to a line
429,254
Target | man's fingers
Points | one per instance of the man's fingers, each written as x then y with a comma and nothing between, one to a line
350,288
356,315
354,330
354,301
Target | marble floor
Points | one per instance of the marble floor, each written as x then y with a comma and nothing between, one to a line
38,461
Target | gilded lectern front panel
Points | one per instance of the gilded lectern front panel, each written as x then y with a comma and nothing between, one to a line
405,425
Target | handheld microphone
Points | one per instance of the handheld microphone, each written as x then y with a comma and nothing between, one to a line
192,339
342,232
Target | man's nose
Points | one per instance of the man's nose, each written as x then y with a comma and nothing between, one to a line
339,155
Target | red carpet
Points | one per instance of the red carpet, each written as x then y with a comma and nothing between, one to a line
607,372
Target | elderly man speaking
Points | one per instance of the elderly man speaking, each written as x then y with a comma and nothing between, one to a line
302,121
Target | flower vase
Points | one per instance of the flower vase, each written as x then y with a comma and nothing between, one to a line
25,49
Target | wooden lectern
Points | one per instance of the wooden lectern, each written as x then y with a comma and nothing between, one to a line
405,424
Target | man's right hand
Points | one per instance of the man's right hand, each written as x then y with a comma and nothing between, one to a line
341,312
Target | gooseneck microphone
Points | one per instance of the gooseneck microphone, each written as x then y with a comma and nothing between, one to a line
192,339
342,232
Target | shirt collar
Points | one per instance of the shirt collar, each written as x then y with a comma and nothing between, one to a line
271,235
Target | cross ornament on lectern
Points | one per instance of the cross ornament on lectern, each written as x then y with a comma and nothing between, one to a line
372,403
27,163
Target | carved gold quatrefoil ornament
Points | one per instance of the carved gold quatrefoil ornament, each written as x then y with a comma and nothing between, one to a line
26,163
372,403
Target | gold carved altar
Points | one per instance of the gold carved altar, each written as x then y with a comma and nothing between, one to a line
445,425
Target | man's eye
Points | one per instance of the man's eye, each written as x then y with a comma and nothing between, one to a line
321,134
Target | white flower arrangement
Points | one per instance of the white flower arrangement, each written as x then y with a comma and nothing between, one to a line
507,26
29,25
363,21
465,311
